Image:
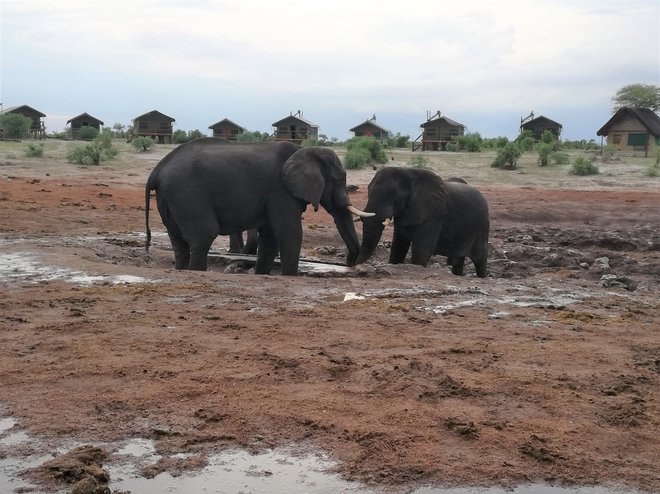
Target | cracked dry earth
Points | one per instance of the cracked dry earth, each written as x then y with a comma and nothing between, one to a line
546,371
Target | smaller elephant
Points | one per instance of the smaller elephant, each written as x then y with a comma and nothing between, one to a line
465,230
430,215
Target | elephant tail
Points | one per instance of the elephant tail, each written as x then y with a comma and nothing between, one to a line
147,196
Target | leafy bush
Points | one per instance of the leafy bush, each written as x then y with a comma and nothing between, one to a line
560,158
469,142
507,157
360,151
34,150
100,149
495,142
418,161
15,126
357,158
195,134
398,141
143,143
583,166
525,141
252,136
179,136
87,133
545,149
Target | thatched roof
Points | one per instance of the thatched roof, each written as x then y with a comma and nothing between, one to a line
156,115
647,118
85,115
14,109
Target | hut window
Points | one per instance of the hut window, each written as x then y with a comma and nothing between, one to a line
616,139
637,139
143,125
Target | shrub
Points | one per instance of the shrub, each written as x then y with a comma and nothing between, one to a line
398,141
495,142
560,158
360,151
34,150
15,126
583,166
179,136
252,136
545,149
100,149
469,142
507,157
89,154
143,143
87,133
525,141
195,134
357,158
418,161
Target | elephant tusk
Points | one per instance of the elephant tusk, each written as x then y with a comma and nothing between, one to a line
359,213
387,222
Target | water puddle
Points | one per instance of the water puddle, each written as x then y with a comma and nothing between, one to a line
456,298
23,267
233,471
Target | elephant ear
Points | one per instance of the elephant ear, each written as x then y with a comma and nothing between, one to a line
428,198
302,173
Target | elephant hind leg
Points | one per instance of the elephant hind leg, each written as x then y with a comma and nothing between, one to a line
480,267
181,252
457,265
199,251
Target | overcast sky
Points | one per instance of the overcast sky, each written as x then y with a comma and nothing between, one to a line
484,64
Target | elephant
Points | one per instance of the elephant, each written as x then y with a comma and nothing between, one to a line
205,188
431,215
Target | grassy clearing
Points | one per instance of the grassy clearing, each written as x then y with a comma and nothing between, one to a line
473,167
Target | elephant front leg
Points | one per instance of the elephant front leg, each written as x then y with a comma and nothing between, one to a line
266,251
400,246
423,245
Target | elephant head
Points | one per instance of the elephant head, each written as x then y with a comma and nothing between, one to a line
316,176
411,198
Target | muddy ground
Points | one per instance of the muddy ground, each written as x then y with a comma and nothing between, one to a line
546,371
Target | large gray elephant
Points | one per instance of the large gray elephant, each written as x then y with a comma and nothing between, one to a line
206,188
431,215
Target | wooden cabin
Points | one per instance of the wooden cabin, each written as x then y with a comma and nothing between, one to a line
154,124
437,132
539,125
295,128
38,128
369,128
84,120
226,129
635,130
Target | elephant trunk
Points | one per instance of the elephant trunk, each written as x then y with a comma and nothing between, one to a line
372,229
346,227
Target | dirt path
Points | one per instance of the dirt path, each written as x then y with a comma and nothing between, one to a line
545,371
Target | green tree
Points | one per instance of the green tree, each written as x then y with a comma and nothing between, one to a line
179,136
638,96
15,126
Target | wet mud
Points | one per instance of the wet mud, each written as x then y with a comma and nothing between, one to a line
403,377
